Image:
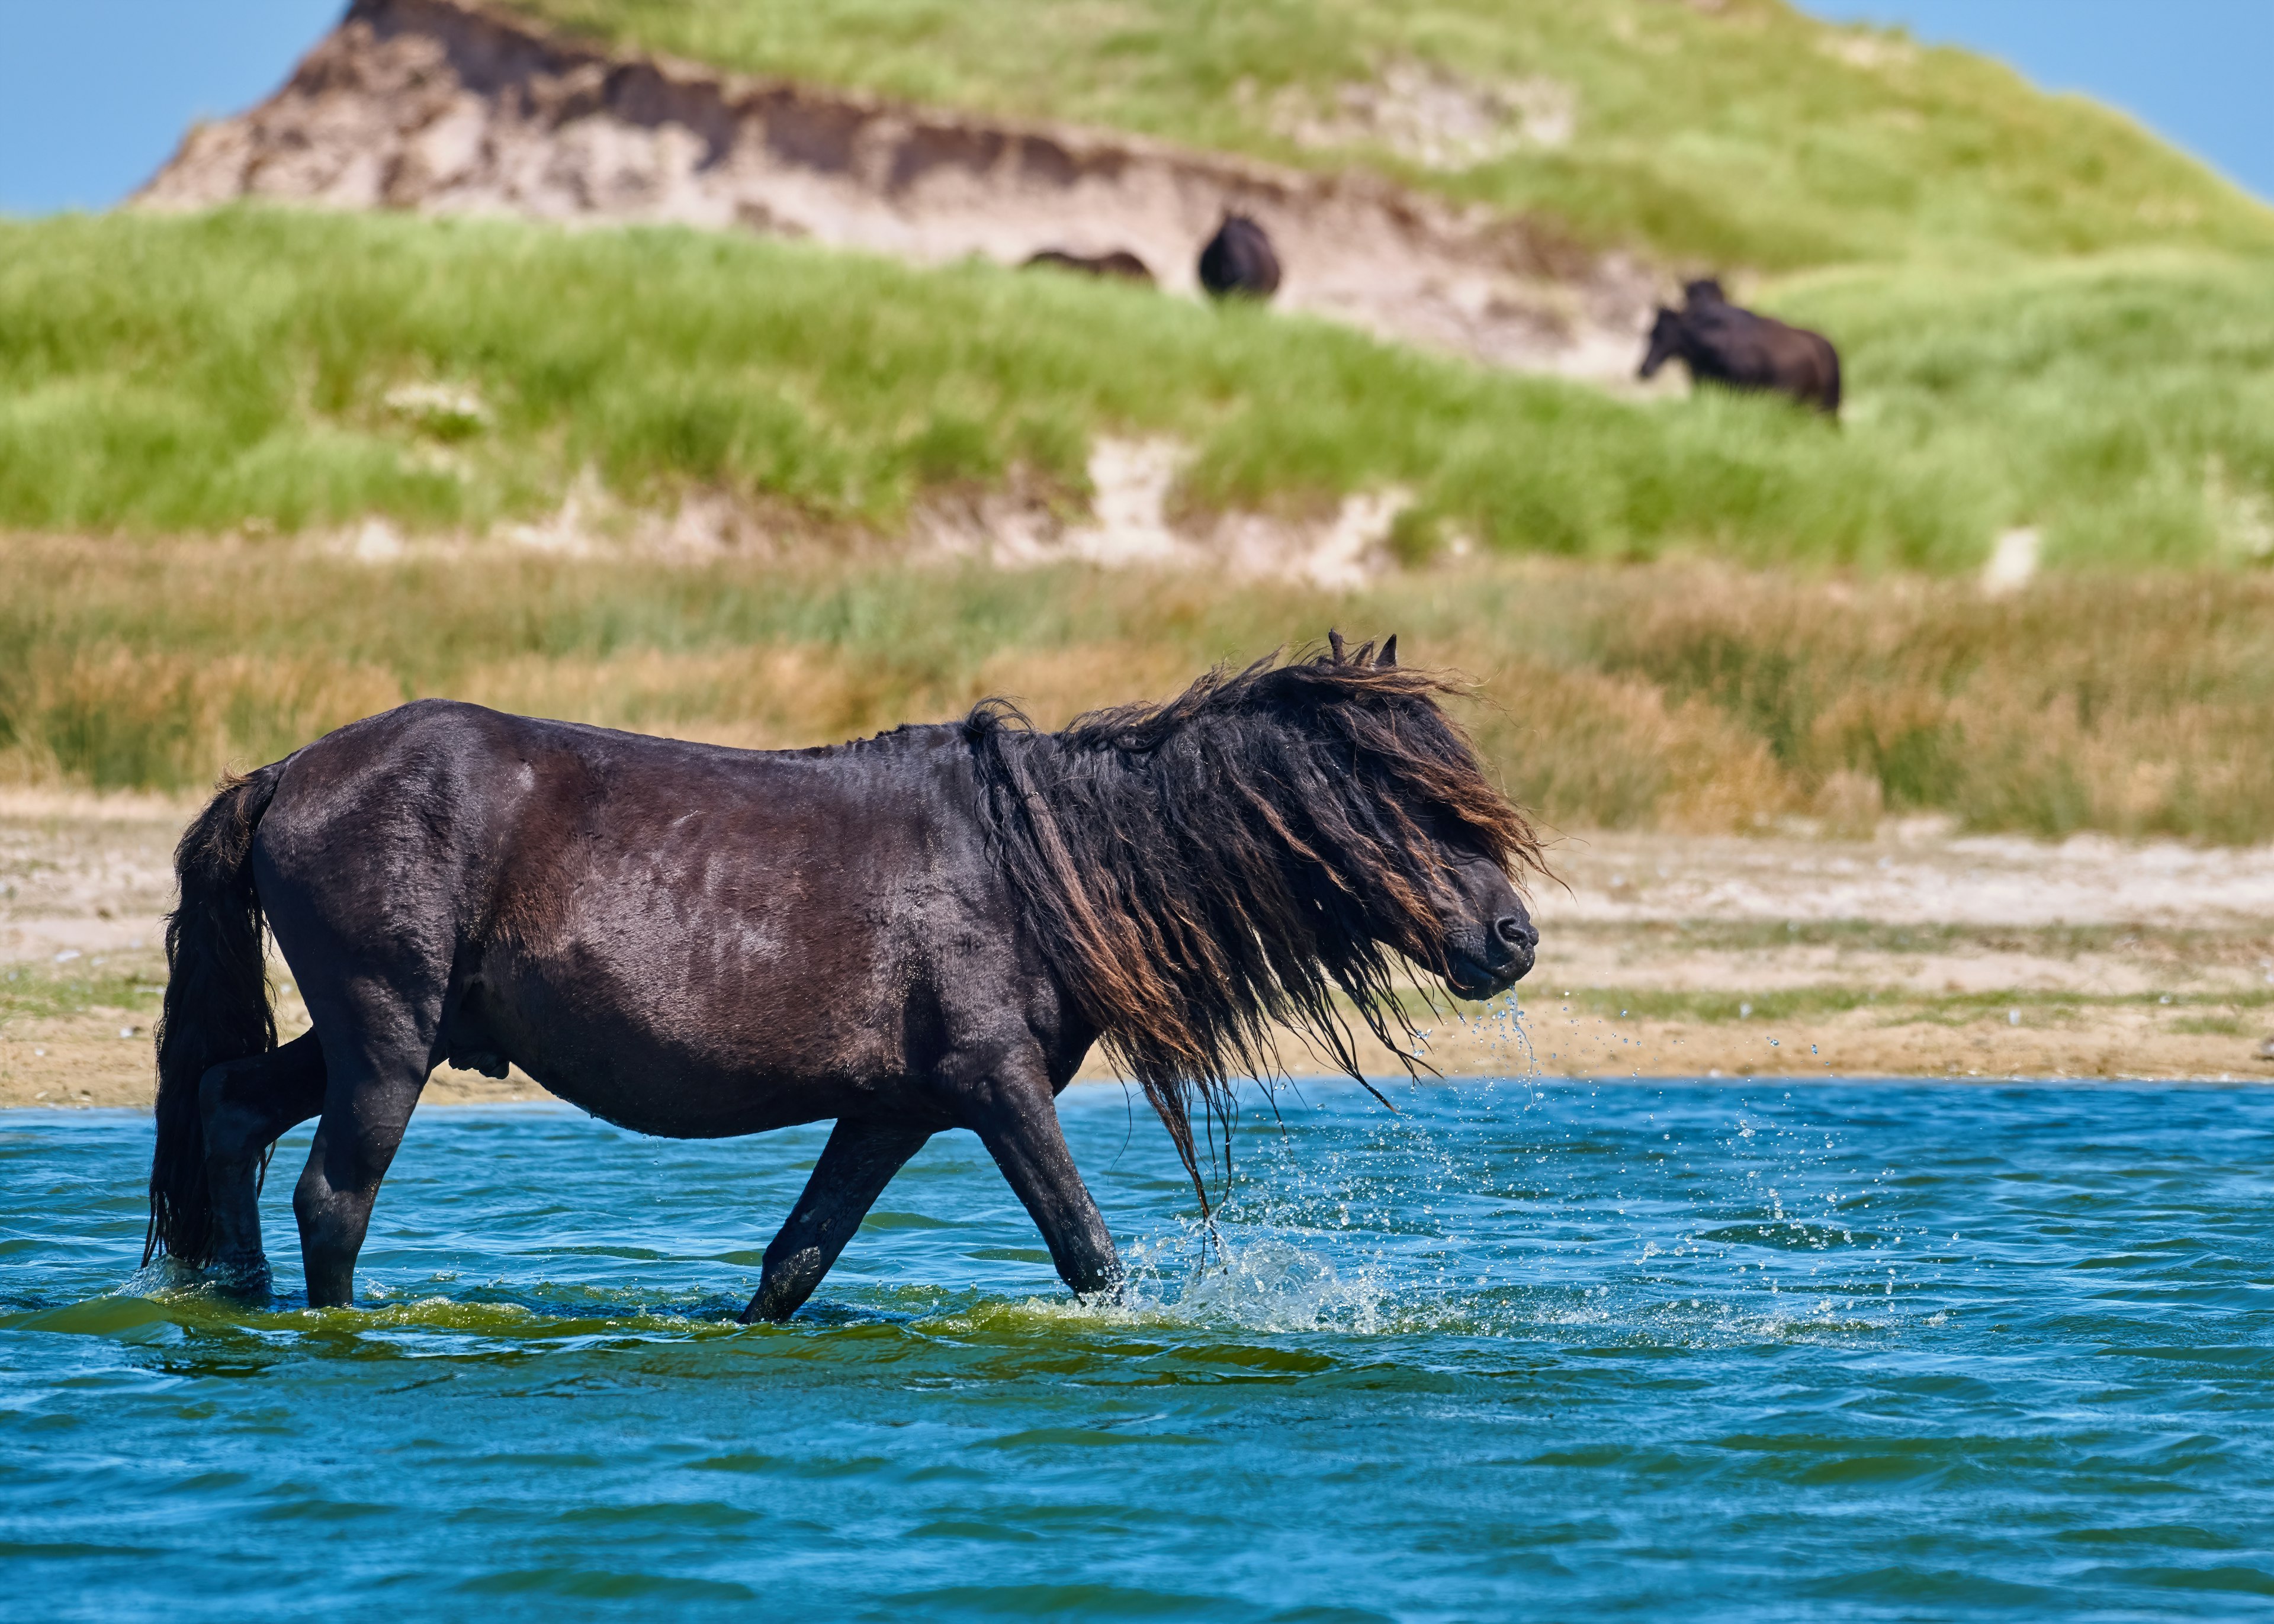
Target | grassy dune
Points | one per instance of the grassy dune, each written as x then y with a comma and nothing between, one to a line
245,370
1736,133
2047,320
1678,695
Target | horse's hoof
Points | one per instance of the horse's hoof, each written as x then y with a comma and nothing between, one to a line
244,1279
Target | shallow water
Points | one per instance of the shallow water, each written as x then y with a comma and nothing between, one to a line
1551,1349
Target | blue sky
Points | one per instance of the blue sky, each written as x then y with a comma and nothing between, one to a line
95,94
2196,71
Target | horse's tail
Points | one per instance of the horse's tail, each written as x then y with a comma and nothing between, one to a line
217,1006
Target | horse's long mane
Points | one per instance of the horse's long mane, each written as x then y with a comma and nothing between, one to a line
1198,871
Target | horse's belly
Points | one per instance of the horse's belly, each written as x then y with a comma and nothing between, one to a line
691,1107
685,1069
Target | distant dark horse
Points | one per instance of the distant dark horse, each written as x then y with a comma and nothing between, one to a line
1120,263
1721,344
927,929
1238,260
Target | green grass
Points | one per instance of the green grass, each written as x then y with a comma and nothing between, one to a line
2124,404
234,372
2212,1025
231,374
1748,134
34,991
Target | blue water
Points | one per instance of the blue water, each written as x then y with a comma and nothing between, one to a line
1539,1350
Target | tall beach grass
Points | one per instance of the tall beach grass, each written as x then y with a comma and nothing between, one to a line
1701,612
255,371
1678,695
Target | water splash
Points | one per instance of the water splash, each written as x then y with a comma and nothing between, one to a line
1753,1221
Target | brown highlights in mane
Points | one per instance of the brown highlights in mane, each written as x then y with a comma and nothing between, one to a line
1198,871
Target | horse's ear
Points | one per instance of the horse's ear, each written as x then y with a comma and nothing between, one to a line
1388,658
1334,644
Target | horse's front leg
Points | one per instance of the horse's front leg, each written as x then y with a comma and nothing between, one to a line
859,1161
1016,1118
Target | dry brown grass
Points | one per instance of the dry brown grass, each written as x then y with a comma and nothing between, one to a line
1677,695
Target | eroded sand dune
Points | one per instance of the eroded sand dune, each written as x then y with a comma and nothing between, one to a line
445,107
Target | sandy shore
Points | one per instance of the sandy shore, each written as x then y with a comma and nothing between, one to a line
1915,954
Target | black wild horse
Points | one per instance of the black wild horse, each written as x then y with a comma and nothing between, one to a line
1720,343
927,929
1238,260
1119,263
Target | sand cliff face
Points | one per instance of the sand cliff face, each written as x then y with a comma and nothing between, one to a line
442,106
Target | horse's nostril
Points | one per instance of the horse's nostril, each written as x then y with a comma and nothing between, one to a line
1517,932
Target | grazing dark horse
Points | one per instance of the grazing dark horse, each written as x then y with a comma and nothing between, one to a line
1238,260
1721,344
923,930
1120,263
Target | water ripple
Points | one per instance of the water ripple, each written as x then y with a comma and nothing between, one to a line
1531,1347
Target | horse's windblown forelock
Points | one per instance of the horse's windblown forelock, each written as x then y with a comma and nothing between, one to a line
1199,870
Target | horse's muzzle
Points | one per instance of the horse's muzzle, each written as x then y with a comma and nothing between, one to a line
1508,959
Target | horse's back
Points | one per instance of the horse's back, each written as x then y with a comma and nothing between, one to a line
613,911
446,781
1749,350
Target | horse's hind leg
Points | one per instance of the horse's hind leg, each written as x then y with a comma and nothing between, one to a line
376,1061
859,1161
355,1144
246,1105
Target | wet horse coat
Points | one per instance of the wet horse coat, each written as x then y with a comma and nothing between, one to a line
924,930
